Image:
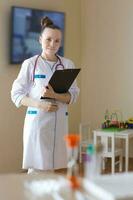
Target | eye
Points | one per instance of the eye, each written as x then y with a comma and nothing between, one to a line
48,39
57,41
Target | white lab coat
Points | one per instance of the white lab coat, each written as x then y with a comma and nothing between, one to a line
43,138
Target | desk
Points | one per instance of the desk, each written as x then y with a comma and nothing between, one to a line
55,187
125,134
111,187
41,186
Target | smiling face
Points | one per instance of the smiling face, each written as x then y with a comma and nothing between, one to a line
51,42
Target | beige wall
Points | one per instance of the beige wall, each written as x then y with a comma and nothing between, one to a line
107,59
11,118
105,45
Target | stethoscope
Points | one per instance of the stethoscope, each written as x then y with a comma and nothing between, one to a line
58,65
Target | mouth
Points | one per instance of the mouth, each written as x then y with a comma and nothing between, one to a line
51,49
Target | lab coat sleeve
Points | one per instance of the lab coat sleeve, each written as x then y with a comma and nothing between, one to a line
21,85
74,90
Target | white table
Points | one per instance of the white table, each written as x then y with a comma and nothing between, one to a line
38,187
56,187
111,187
125,134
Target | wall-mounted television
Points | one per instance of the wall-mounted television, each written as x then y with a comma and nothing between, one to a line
25,32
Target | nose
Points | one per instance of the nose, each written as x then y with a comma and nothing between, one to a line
52,43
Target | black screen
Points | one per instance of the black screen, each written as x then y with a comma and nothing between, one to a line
25,32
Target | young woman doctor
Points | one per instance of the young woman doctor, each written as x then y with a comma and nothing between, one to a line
46,122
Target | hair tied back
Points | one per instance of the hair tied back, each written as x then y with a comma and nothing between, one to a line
45,22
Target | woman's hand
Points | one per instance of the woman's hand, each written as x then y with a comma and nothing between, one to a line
48,92
48,106
44,105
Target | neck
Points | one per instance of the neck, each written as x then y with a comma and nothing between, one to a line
49,58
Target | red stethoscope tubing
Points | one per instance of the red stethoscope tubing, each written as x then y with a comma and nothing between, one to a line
57,65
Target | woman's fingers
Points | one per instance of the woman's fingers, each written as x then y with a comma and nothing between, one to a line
50,87
49,106
47,91
53,108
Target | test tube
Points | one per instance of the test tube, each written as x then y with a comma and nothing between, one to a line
93,161
72,141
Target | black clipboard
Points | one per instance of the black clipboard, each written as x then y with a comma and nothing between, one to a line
62,80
